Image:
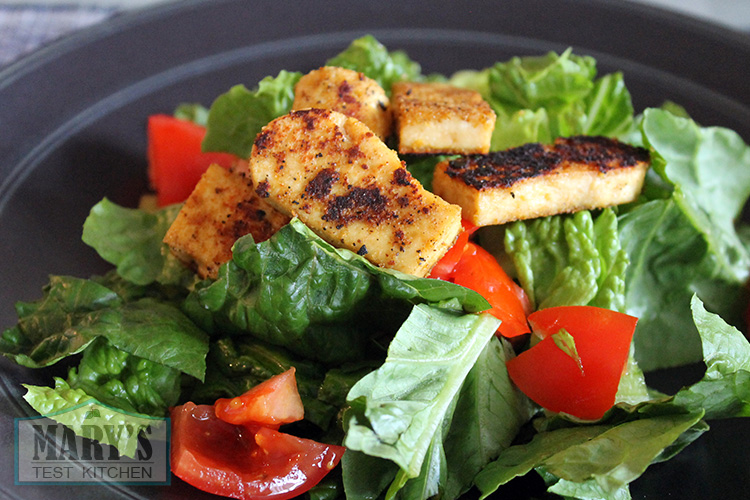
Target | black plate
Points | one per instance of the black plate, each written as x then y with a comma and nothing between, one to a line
72,120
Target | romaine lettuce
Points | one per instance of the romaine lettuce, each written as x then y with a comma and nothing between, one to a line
297,291
374,60
236,117
79,411
685,243
539,98
131,240
398,409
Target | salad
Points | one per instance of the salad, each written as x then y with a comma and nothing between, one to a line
408,374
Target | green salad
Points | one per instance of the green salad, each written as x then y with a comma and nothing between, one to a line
407,373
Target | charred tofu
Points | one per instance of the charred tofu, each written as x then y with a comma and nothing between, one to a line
536,180
222,207
348,92
437,118
347,186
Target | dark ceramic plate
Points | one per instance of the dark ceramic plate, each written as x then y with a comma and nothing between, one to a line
72,120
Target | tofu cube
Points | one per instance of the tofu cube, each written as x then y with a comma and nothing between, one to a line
437,118
334,174
222,208
348,92
538,180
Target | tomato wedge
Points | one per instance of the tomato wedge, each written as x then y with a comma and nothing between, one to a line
175,159
271,403
243,462
479,270
582,383
445,266
467,264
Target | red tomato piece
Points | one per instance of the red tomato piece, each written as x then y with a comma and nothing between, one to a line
175,159
239,462
445,266
271,403
479,270
585,387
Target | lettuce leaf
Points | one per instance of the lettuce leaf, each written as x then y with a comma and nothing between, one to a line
236,117
131,240
297,291
539,98
685,243
369,56
602,458
74,312
125,381
687,155
489,413
58,324
724,390
569,260
398,409
79,411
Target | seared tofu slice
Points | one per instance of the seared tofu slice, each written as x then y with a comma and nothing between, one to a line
348,187
222,208
536,180
439,118
348,92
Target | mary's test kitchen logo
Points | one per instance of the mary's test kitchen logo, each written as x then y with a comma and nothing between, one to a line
77,446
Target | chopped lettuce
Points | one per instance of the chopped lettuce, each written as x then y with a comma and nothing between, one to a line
297,291
569,260
236,117
539,98
686,242
374,60
80,412
398,409
400,368
131,240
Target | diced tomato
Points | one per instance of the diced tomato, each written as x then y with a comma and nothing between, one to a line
445,266
467,264
584,387
245,463
175,160
271,403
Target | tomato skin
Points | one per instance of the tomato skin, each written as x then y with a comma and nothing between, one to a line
243,462
555,380
479,270
445,266
271,403
469,265
175,159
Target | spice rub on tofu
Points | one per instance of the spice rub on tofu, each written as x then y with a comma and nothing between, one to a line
348,92
535,180
437,118
222,208
334,174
